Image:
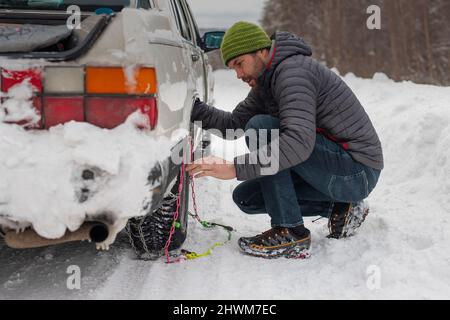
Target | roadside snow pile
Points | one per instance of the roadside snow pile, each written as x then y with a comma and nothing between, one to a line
41,171
413,122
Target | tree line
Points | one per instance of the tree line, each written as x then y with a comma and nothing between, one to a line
413,42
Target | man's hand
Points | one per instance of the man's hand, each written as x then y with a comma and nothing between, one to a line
212,167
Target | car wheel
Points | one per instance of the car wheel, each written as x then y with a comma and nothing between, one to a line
149,234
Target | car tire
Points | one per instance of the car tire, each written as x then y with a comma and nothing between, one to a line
148,235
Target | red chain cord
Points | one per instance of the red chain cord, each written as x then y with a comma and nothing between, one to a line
195,215
172,229
194,203
177,212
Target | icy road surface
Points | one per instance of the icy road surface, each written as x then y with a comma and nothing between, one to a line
400,252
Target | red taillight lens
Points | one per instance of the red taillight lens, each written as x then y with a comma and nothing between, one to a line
111,112
37,104
149,108
11,78
26,123
75,100
59,110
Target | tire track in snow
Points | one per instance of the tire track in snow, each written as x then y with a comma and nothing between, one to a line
42,273
127,281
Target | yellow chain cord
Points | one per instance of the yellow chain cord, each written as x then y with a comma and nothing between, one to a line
194,255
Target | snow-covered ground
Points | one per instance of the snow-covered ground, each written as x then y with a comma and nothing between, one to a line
401,251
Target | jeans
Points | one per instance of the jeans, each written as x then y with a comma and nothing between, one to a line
311,188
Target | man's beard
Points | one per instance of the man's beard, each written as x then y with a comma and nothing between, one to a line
252,80
252,83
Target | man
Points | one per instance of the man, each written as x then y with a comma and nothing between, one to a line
328,154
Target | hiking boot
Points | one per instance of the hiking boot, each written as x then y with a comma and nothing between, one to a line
277,242
346,218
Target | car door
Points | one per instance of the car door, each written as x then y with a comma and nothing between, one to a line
194,43
207,73
187,63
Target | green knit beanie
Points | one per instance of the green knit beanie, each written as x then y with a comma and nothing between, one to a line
243,38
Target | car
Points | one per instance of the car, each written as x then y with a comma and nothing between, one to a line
80,57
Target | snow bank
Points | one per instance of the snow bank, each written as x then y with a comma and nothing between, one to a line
413,122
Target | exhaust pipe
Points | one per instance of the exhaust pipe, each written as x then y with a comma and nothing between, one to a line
93,231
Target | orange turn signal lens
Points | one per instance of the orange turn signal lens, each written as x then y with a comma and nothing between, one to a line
112,80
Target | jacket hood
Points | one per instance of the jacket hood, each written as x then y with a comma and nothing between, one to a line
286,44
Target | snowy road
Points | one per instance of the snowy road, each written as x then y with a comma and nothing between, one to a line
402,251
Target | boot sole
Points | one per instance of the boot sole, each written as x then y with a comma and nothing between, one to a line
297,251
352,223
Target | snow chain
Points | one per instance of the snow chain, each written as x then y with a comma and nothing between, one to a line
135,227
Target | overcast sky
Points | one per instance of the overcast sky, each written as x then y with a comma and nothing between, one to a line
223,13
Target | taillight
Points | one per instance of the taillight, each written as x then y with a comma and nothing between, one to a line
59,110
118,93
27,123
64,80
111,80
149,109
111,112
103,96
37,104
11,78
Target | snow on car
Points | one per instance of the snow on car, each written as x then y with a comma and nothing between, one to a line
95,119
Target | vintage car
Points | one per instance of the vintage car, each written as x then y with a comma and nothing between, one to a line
79,56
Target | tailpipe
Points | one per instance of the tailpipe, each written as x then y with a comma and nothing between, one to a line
96,232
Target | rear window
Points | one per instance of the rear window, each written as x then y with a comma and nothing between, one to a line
85,5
